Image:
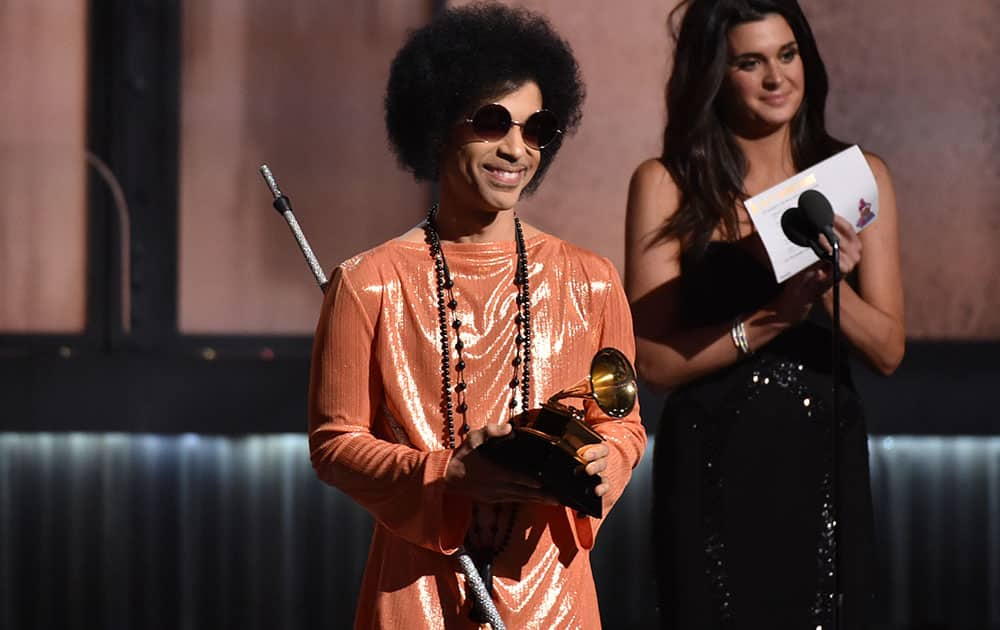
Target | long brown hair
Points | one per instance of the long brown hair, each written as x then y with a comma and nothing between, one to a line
699,150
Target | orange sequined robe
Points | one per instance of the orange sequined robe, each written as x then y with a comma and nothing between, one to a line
376,430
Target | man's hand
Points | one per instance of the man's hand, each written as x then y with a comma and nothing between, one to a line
596,456
475,476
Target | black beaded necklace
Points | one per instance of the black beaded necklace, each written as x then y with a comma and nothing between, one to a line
522,354
482,552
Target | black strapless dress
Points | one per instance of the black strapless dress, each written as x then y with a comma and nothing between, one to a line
743,473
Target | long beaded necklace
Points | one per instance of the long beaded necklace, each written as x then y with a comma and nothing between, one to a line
447,306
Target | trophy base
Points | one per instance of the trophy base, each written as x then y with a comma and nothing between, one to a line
545,448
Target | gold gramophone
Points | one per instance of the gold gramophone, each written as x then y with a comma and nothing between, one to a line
545,445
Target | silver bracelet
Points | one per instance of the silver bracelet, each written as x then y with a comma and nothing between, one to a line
739,334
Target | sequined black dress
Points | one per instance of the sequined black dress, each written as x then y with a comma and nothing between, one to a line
743,464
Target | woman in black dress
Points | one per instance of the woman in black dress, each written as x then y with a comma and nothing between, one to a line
744,470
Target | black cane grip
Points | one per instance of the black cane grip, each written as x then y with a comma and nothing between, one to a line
282,205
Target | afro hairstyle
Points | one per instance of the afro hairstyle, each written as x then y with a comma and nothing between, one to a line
468,55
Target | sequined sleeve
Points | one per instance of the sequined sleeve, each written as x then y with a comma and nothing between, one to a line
401,486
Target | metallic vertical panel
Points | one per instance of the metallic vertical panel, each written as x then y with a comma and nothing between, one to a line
929,479
48,533
190,523
147,450
216,532
993,530
226,522
294,477
937,527
79,486
116,481
9,456
968,462
894,497
253,537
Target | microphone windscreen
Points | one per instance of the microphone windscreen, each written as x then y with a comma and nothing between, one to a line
816,209
795,227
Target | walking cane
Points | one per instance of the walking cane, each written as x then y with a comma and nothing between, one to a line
473,581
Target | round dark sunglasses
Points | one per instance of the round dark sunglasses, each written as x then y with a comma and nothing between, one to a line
492,122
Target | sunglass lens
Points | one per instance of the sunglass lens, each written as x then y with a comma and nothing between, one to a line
491,122
541,128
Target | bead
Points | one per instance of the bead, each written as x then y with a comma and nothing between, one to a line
456,324
460,365
462,408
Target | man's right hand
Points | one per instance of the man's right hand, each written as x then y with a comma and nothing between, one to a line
477,477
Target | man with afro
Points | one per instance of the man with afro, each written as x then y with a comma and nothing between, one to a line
430,344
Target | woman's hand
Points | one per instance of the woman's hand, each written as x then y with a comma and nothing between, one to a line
850,244
810,284
477,477
800,292
596,456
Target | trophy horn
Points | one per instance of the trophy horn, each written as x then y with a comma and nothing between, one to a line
547,444
611,384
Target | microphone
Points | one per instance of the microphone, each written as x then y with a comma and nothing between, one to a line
804,224
799,231
818,212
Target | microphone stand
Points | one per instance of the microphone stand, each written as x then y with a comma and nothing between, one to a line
838,602
473,581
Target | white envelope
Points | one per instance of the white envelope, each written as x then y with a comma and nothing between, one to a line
844,179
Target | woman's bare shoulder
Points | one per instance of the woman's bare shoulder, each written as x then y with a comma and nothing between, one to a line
652,189
652,172
878,166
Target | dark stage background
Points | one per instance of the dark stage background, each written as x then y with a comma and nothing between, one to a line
155,316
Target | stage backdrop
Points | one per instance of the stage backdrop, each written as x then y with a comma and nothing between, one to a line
43,217
912,81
